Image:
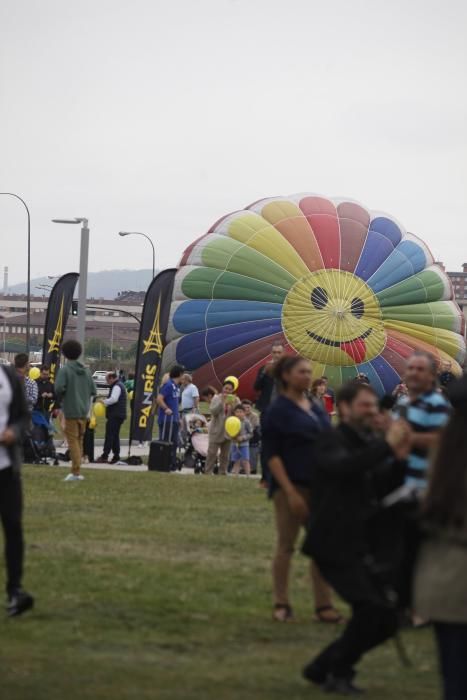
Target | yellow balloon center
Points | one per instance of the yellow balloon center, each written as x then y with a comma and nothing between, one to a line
333,317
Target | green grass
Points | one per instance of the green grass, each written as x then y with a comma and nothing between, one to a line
153,586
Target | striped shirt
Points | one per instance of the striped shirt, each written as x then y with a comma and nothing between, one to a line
426,413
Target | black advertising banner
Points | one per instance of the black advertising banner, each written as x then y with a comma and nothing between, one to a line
58,310
151,344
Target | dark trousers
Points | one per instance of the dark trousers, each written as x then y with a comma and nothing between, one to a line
112,436
452,649
168,432
373,621
11,507
262,457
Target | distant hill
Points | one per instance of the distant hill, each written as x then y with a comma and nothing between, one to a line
101,285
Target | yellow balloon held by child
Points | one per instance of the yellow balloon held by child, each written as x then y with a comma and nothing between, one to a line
232,426
34,373
99,409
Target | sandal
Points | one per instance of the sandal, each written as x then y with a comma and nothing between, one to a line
334,619
282,613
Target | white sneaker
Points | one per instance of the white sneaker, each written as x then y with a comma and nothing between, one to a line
73,477
80,477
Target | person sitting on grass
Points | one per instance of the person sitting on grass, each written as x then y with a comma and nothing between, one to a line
240,452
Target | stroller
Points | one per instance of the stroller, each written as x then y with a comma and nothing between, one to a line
195,432
39,446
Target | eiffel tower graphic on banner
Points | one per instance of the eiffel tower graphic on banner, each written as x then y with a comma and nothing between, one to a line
54,343
154,340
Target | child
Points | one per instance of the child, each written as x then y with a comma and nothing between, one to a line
240,453
255,440
198,426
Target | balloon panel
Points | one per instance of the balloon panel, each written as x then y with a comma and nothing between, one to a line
239,362
288,218
322,216
201,314
348,288
353,225
206,283
383,236
430,285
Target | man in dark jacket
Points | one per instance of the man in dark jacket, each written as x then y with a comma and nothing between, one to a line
116,415
14,420
265,385
46,391
352,472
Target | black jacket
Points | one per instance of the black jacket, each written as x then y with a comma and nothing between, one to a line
118,410
44,387
351,474
264,384
18,419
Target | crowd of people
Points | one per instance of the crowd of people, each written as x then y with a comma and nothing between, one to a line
385,526
379,486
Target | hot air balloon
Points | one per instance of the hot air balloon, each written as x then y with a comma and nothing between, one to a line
344,286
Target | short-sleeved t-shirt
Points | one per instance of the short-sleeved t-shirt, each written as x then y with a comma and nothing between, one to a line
189,394
429,412
170,392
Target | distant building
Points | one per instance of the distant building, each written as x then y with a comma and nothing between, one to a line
459,286
131,297
105,320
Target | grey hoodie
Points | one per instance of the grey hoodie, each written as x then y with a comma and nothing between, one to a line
75,388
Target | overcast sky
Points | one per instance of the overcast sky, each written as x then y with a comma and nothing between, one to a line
162,116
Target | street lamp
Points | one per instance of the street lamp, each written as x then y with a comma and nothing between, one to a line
137,233
28,293
83,274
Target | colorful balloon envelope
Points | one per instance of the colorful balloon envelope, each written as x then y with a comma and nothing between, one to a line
347,288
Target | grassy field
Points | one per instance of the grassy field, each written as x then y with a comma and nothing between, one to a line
155,586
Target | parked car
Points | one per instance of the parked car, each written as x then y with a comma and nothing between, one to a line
100,379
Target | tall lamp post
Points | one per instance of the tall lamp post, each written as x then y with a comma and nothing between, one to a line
28,293
83,274
138,233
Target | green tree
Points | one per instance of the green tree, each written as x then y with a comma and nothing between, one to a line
130,353
97,348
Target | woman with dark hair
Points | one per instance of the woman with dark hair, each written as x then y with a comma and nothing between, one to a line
440,585
291,426
318,390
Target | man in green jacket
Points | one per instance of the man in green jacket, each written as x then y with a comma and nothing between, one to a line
75,390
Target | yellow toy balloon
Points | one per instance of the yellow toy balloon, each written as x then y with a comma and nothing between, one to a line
99,409
34,373
232,380
92,422
233,426
130,395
